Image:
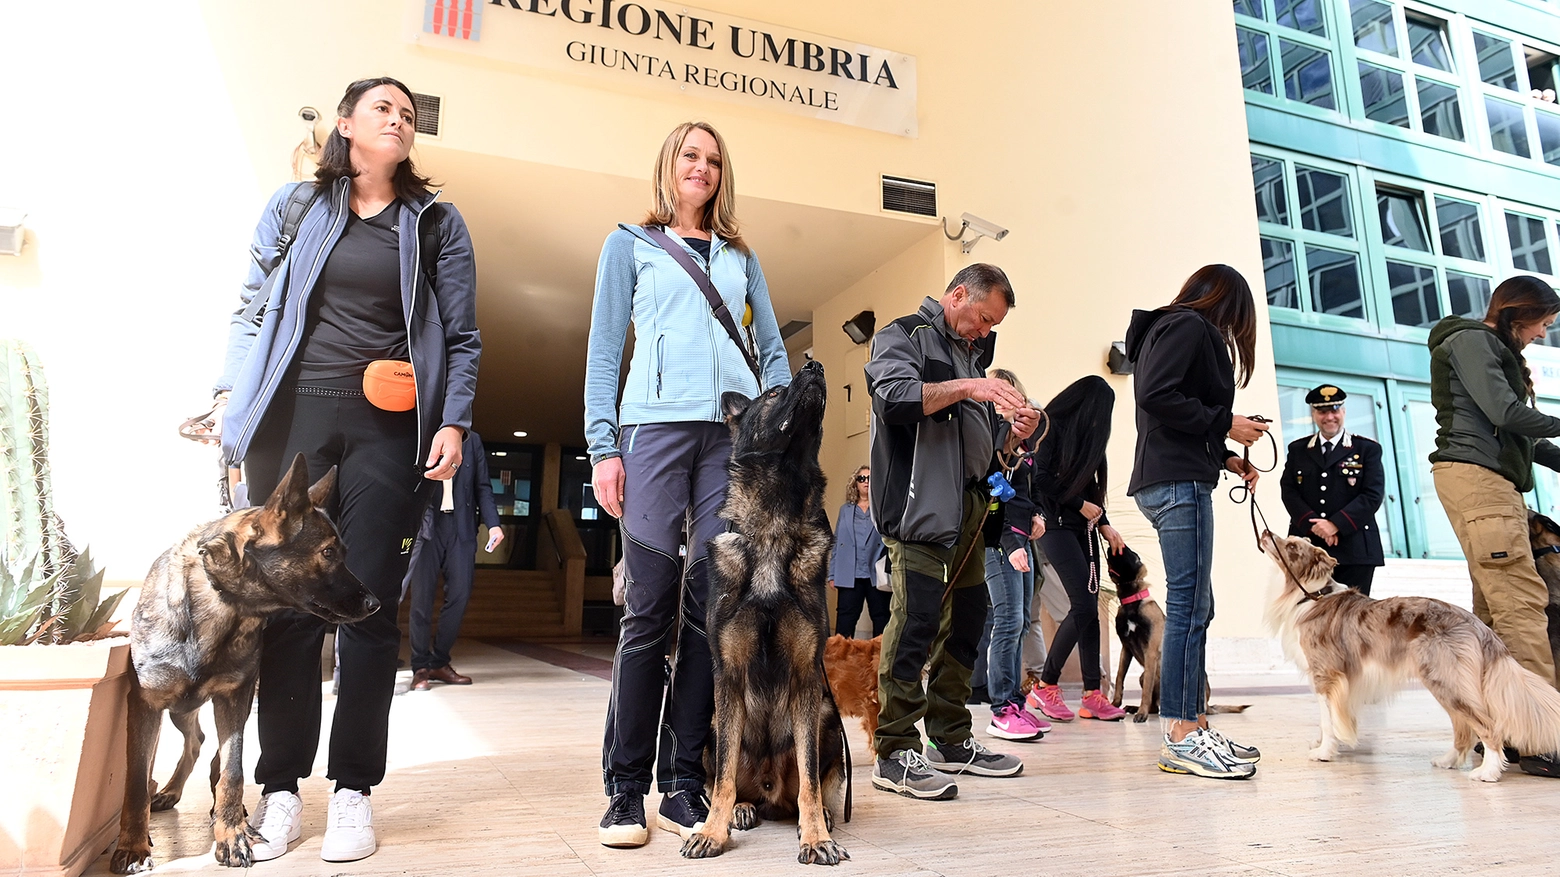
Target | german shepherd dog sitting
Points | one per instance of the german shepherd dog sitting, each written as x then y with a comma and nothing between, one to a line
779,744
1140,625
1358,650
195,636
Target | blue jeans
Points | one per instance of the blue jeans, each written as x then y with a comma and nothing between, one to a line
1011,592
1182,514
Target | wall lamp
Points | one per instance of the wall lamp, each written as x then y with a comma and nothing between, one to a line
860,327
983,228
12,232
1116,359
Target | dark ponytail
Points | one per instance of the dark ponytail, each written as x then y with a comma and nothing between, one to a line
1521,299
336,156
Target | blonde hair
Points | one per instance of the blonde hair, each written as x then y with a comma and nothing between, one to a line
720,212
1003,374
853,487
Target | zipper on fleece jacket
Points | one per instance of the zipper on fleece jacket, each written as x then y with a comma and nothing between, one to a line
416,278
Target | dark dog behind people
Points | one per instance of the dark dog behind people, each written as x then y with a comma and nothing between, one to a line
1357,650
779,743
195,636
1140,625
852,667
1544,538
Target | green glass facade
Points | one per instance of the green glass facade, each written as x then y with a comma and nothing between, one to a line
1405,159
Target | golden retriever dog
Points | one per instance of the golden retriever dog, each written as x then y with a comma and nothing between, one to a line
852,668
1358,651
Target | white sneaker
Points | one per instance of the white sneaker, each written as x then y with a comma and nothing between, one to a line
349,830
279,819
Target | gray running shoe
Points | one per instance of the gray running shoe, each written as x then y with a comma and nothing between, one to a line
971,757
1201,754
1248,754
907,773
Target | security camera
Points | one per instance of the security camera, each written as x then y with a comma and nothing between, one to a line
309,114
983,227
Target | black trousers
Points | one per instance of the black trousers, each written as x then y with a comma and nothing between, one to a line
376,508
440,548
1067,550
1356,575
848,604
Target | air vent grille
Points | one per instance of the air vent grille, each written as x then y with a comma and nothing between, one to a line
428,108
903,195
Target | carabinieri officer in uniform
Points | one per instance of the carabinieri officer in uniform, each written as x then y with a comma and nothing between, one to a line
1332,485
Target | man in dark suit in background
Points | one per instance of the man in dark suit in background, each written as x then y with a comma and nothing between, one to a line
1332,486
447,541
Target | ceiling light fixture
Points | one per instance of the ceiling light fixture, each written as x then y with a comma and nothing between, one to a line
520,433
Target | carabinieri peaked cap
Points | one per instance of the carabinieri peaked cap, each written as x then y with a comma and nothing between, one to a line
1326,397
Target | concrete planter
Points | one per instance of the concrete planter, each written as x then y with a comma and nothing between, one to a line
63,712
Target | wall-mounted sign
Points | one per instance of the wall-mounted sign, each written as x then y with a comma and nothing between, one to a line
692,51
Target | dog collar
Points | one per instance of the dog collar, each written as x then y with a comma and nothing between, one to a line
1547,549
1144,595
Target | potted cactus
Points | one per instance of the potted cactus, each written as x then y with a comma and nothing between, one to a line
64,681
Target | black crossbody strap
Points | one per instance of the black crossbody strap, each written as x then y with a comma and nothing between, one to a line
717,304
298,203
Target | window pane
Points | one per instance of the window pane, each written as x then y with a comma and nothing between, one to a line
1252,8
1461,235
1495,64
1549,136
1403,220
1324,201
1307,74
1278,269
1427,43
1256,73
1267,176
1414,299
1303,15
1383,90
1335,282
1373,27
1470,295
1508,132
1438,110
1529,249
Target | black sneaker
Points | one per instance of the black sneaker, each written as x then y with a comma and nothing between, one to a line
624,824
1545,765
907,773
683,812
971,757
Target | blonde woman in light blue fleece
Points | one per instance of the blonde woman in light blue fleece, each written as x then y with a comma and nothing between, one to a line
659,455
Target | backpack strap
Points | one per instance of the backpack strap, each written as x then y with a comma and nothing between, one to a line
299,200
717,304
428,240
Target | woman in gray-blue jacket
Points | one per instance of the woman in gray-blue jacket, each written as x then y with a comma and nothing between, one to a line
360,283
857,547
659,458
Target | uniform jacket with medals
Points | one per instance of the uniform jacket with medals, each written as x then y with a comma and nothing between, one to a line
1345,487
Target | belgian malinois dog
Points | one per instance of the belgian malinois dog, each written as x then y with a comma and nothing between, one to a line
1544,538
195,636
779,743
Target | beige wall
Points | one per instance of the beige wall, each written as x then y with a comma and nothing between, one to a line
1112,144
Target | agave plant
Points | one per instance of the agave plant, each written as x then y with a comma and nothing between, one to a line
65,607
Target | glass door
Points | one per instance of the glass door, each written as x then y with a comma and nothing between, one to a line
1432,534
1364,414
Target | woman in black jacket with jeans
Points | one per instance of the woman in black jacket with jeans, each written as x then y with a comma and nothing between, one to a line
1184,386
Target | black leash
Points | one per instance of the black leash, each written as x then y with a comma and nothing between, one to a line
1244,493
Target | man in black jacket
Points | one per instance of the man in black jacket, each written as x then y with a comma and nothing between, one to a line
447,541
1332,486
937,420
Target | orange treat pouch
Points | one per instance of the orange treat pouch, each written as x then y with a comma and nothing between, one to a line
390,384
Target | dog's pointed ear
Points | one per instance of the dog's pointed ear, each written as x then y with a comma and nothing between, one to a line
291,496
319,494
733,405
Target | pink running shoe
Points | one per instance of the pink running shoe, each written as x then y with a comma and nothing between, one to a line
1097,706
1012,722
1040,723
1048,699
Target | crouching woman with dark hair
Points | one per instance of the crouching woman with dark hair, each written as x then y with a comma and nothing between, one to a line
376,273
1490,434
